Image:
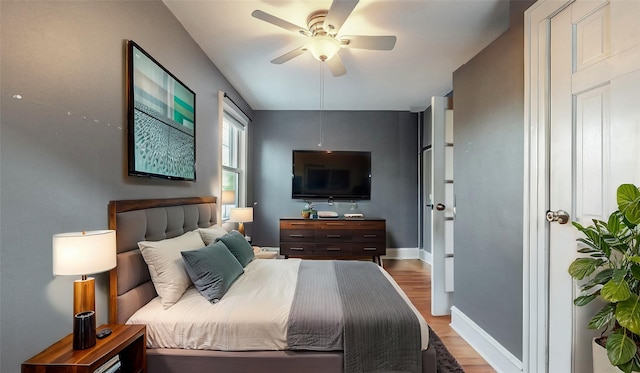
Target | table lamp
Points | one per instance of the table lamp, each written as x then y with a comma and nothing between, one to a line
241,215
83,253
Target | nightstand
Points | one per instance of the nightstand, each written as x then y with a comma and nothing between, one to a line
127,341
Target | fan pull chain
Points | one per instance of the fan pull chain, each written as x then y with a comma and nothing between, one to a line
321,99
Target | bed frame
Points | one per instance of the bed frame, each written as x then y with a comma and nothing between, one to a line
131,288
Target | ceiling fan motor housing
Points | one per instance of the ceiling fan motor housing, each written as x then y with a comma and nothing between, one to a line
315,22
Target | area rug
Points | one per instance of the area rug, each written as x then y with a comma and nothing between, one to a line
446,362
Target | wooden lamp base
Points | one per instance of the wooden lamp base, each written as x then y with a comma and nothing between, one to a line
84,316
84,295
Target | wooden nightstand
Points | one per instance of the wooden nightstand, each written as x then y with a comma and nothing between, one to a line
129,341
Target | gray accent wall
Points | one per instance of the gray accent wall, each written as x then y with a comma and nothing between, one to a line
63,145
390,136
488,165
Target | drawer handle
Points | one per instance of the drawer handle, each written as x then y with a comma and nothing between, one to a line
296,248
298,223
369,249
296,235
370,235
335,223
333,249
334,235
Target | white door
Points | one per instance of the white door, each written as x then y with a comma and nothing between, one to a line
442,201
594,145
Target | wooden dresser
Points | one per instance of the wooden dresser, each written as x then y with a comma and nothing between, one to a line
333,238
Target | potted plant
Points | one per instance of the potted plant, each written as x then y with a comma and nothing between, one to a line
611,272
308,210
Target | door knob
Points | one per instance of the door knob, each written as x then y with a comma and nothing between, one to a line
560,216
440,207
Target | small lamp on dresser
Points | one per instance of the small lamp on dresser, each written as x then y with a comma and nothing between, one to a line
80,254
241,215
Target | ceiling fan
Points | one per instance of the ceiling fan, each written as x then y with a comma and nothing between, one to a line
322,30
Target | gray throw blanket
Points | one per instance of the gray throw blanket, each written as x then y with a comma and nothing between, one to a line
333,309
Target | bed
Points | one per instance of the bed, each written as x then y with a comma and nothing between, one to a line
133,297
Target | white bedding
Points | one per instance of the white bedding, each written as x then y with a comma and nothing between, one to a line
252,315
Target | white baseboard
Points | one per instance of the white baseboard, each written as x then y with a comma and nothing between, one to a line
426,256
402,253
497,356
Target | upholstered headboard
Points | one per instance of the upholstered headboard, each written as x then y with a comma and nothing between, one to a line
130,285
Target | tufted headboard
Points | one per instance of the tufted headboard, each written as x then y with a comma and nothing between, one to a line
130,285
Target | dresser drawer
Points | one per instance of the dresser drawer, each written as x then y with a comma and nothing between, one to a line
364,224
297,235
331,235
333,249
297,224
368,249
369,235
333,224
297,248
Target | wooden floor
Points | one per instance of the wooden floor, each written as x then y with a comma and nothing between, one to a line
414,277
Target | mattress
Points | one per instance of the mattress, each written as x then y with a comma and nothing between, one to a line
252,315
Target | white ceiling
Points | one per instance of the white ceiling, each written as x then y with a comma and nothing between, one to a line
434,38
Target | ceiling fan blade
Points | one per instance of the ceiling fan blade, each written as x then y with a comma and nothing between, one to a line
336,66
338,13
259,14
290,55
381,43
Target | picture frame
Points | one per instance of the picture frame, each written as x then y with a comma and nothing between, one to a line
161,120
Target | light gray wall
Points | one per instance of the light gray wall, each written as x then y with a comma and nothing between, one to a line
488,166
63,146
390,137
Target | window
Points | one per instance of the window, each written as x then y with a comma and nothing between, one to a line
234,150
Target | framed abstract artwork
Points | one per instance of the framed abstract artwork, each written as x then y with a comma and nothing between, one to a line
161,120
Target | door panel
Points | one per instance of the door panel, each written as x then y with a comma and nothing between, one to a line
427,201
592,36
591,148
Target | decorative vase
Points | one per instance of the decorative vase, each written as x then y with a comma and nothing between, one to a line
305,214
601,363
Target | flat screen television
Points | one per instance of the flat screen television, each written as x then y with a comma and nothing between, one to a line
161,118
339,175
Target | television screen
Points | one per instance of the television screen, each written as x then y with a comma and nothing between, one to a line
162,118
342,175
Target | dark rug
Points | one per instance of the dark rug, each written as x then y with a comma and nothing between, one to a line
446,362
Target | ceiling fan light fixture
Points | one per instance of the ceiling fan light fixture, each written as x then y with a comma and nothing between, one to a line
323,47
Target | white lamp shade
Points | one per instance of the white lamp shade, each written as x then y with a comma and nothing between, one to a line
241,215
323,47
82,253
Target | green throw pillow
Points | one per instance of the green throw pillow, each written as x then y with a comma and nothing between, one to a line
239,247
212,269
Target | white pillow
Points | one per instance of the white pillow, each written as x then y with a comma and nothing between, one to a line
209,235
166,266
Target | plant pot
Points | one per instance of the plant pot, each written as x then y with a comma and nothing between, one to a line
601,363
305,214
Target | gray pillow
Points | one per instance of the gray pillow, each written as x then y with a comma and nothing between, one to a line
239,247
212,269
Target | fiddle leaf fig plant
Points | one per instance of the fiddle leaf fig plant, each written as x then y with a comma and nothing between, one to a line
611,272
